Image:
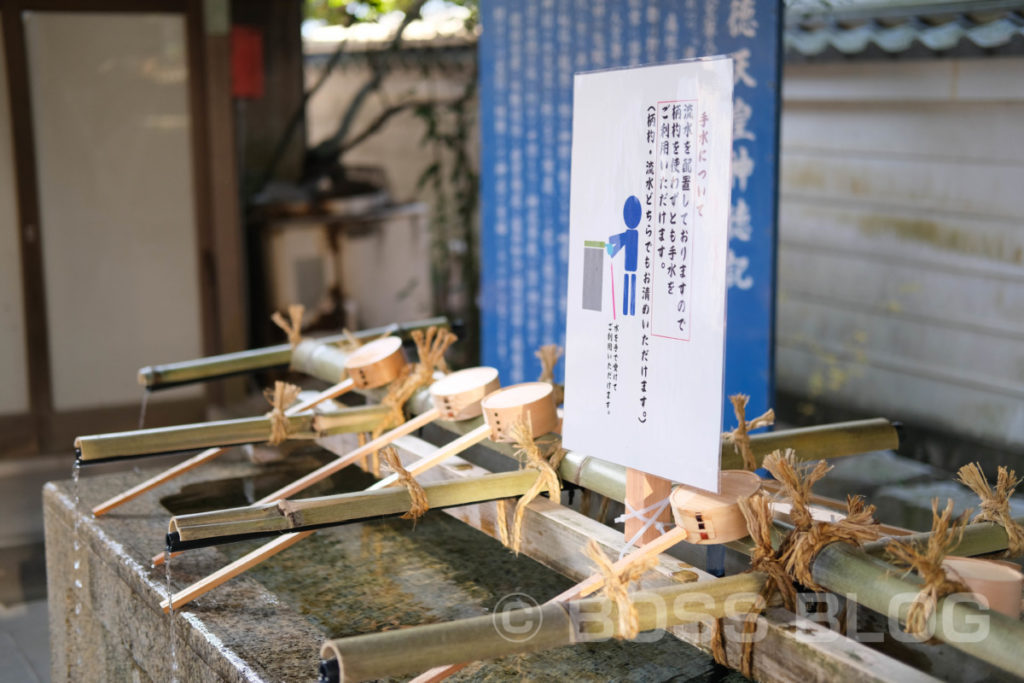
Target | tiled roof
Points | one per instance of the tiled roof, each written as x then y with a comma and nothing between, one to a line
820,32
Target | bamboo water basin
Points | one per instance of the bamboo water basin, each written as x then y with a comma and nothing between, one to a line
269,624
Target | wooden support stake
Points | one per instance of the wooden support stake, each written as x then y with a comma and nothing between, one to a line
642,491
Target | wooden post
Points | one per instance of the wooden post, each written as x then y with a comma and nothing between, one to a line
644,490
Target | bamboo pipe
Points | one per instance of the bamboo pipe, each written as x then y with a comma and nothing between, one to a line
860,575
207,455
375,655
144,442
978,539
326,471
167,375
501,409
223,526
701,517
371,366
268,550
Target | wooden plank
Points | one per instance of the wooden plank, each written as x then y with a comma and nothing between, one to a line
642,491
912,291
907,130
959,357
947,80
988,248
555,535
957,187
900,394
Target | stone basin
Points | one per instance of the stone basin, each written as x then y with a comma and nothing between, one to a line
268,624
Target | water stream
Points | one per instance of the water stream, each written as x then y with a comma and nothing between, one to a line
170,617
76,558
143,406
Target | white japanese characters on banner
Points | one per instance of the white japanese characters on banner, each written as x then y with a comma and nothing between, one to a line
648,252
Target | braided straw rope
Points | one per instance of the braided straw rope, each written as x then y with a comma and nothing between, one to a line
548,356
740,437
430,347
419,505
293,326
946,534
995,502
529,453
280,397
794,556
616,587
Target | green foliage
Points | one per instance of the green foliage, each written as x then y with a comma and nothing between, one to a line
348,12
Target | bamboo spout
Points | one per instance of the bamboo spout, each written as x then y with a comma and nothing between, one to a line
168,375
860,575
373,656
103,447
208,455
213,528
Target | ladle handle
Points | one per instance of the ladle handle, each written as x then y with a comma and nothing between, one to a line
440,455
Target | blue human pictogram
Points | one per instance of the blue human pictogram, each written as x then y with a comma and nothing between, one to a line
628,240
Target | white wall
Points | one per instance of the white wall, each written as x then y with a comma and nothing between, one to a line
112,125
901,261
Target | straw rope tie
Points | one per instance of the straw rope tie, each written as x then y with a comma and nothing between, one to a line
616,587
529,453
739,438
420,504
794,557
280,397
501,516
995,502
946,534
548,356
348,342
293,326
430,347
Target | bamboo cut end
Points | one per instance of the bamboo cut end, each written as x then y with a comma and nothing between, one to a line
458,396
377,363
713,518
505,407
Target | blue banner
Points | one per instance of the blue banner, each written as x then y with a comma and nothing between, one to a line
529,51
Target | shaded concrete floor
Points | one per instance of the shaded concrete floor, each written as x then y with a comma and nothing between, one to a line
25,643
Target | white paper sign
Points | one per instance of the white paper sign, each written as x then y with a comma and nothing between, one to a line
648,244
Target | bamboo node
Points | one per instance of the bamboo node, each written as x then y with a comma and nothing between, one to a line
995,502
548,356
420,504
280,398
739,438
946,534
616,587
529,453
293,326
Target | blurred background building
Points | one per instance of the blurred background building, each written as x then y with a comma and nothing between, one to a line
173,170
